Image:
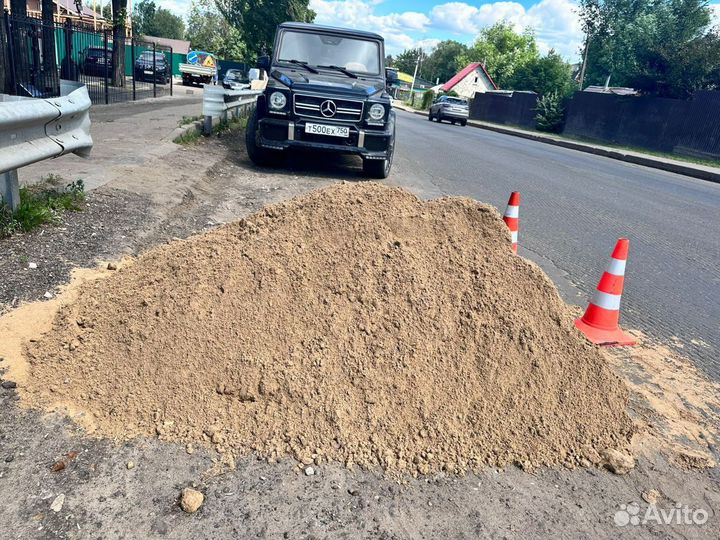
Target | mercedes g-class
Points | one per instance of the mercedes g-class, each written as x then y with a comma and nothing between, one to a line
326,91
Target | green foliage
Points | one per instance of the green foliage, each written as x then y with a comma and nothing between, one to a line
406,61
257,21
503,51
445,61
427,99
208,30
661,47
544,75
150,20
41,203
550,113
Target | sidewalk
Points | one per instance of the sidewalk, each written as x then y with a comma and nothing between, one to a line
702,172
125,135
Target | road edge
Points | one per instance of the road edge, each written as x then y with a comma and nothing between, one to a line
702,173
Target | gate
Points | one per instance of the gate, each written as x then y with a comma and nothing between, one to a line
37,54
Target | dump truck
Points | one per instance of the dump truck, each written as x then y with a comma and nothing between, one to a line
200,68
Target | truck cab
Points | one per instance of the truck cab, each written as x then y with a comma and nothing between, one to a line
326,91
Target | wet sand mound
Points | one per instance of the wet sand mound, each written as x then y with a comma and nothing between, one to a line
356,324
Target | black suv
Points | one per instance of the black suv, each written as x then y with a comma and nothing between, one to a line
148,70
96,61
326,91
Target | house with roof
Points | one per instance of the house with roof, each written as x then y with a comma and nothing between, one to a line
469,80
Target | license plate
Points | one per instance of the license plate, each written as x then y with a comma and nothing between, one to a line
332,131
147,72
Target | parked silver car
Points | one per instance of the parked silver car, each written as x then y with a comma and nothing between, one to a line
452,109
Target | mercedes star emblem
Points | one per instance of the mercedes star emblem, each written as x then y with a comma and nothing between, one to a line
328,108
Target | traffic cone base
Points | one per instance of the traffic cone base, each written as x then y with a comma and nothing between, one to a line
609,338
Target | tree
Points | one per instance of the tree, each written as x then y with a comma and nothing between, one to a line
662,47
544,75
119,8
550,113
149,20
406,61
257,19
445,61
503,51
209,31
48,45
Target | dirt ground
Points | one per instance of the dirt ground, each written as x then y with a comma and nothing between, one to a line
198,187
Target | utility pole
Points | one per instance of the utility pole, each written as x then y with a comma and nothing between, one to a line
585,59
412,85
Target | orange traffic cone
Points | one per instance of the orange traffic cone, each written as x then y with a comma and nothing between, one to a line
600,322
511,217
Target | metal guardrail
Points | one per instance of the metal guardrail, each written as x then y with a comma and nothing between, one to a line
218,102
32,130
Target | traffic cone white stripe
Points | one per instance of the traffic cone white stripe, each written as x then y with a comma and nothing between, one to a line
512,211
616,267
607,301
514,236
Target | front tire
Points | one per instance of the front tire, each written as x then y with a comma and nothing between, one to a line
463,123
380,168
261,157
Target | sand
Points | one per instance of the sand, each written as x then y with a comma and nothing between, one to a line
354,324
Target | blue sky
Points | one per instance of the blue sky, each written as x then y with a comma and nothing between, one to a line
413,23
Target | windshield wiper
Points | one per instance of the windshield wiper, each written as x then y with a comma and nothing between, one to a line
301,63
340,68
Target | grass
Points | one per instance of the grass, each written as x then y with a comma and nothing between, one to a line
185,120
676,157
42,203
225,127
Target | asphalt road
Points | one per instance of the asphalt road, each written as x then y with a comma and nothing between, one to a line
574,207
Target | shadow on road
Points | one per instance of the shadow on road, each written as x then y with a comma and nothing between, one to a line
295,162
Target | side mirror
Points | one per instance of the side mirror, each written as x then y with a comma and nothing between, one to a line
263,62
391,76
254,74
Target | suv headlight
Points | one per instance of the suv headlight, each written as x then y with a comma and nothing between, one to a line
376,112
277,100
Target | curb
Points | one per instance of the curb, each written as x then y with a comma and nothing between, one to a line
197,125
637,159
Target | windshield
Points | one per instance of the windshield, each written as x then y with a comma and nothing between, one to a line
356,55
148,56
236,75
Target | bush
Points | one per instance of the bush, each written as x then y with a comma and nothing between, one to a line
427,99
41,203
550,113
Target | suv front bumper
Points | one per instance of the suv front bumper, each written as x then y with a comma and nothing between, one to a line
281,134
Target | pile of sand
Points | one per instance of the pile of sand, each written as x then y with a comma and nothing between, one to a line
357,324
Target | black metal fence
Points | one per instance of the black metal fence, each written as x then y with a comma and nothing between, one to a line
510,108
35,54
685,127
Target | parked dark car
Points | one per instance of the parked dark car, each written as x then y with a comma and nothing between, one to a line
236,79
326,92
94,61
452,109
147,70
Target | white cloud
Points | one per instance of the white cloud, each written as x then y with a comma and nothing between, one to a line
555,22
716,14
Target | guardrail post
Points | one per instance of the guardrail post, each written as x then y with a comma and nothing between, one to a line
10,189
